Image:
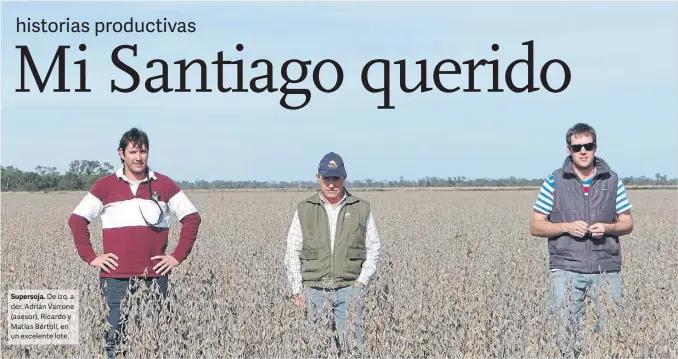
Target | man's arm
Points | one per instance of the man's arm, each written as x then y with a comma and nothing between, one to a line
541,227
622,227
539,223
624,224
292,261
190,220
88,210
373,246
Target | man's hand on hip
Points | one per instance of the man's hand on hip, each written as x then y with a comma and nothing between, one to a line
104,260
299,300
167,262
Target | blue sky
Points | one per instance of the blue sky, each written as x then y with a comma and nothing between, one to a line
623,57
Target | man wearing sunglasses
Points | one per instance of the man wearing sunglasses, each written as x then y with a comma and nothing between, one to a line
134,205
583,210
333,251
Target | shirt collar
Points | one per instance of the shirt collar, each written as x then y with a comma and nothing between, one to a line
343,198
120,174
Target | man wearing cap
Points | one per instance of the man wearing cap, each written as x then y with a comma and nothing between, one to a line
332,249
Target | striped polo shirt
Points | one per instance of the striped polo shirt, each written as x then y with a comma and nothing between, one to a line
124,207
544,202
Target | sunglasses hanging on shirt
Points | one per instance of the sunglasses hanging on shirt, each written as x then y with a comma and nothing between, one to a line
155,199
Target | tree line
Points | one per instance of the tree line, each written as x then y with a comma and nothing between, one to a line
81,174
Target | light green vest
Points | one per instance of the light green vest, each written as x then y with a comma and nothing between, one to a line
320,266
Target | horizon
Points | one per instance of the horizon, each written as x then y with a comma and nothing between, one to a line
250,137
352,180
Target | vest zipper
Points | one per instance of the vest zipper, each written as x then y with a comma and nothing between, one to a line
331,245
588,222
588,219
337,234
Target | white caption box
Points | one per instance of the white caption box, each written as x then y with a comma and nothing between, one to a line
43,317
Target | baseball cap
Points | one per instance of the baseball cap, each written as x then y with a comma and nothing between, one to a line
331,165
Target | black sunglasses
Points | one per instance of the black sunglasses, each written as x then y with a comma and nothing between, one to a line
588,146
155,200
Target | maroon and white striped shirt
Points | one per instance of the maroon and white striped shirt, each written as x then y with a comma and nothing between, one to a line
119,202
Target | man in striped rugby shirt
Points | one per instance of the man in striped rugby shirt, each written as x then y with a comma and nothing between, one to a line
134,205
583,210
333,251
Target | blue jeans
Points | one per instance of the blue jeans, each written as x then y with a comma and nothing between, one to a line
568,290
342,301
115,291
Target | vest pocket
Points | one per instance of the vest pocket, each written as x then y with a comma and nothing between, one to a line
611,245
311,267
354,262
356,253
558,244
309,254
607,254
552,245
